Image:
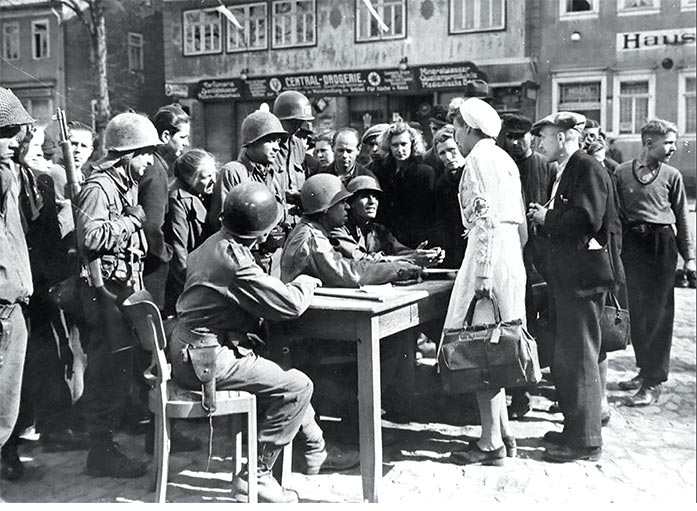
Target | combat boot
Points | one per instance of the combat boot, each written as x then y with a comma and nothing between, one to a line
269,490
327,458
105,459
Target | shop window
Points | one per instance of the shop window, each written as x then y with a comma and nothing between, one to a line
253,34
578,8
294,23
634,103
582,94
688,103
40,48
477,15
10,40
202,32
629,7
391,12
135,52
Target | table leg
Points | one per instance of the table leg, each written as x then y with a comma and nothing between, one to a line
369,418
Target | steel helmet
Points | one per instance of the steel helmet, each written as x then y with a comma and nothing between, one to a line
12,113
292,104
130,131
363,183
322,191
251,210
259,124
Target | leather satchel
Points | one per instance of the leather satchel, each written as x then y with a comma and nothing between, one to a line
487,356
615,331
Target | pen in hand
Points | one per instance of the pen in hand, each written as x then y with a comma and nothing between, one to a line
422,245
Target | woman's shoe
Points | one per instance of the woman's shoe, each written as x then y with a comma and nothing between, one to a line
475,455
509,443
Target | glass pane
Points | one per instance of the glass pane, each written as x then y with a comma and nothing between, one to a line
690,114
641,113
626,115
579,5
579,92
690,84
634,88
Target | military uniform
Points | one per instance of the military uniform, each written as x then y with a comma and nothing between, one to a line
106,233
225,295
309,250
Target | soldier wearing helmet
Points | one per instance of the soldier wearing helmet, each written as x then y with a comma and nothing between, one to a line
262,135
225,297
109,228
308,248
361,237
17,284
293,163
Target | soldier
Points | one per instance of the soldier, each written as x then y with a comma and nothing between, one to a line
262,134
225,297
112,245
14,265
293,164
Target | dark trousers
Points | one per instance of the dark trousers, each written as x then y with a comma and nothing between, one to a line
649,262
575,366
109,375
283,395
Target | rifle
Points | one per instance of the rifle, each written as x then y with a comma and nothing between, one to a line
73,189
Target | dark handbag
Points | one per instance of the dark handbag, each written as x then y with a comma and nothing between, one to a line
614,326
66,295
487,356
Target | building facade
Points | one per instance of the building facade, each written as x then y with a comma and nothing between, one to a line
357,68
32,50
622,62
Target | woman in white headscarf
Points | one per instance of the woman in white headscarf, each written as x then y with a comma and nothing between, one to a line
493,216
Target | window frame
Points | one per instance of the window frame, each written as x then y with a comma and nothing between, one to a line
130,37
682,112
34,23
246,23
272,28
451,20
5,38
205,52
638,11
593,13
359,4
581,77
633,76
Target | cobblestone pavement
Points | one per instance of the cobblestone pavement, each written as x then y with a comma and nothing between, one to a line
649,454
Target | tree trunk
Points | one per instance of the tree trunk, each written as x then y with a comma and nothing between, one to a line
103,106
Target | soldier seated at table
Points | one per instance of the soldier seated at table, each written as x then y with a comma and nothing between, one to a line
309,250
225,298
361,237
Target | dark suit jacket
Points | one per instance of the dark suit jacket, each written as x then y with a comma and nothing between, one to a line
585,207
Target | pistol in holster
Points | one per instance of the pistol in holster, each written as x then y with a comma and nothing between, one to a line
202,354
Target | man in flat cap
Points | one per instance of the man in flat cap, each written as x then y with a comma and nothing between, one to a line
536,179
15,272
438,119
583,229
370,149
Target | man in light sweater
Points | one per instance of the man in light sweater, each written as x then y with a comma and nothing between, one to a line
653,209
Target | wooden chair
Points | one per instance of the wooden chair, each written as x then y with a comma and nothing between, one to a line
168,400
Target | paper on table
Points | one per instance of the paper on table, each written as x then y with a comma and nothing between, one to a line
380,289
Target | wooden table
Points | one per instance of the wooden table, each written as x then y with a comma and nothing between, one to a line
366,322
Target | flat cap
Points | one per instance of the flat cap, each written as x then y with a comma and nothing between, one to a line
514,123
482,116
374,131
12,113
563,120
439,115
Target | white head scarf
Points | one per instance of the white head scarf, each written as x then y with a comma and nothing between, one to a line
479,114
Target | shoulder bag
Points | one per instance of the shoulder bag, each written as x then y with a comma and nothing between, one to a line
614,326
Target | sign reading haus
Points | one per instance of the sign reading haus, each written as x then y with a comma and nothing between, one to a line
656,39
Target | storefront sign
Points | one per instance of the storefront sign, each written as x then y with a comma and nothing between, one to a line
343,83
177,90
656,39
